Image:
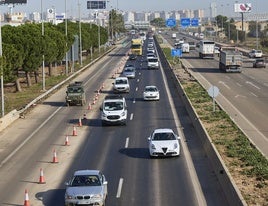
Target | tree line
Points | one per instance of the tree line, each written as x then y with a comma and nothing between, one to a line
24,46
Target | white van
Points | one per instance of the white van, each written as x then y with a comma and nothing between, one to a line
114,110
185,47
152,63
121,85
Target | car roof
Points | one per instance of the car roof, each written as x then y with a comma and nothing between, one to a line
150,86
163,130
121,78
86,172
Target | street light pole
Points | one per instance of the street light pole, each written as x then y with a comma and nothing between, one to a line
80,34
2,71
66,34
43,55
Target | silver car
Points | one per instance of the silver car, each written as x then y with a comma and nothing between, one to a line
129,71
86,187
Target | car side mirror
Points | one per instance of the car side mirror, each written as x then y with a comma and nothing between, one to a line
149,138
67,183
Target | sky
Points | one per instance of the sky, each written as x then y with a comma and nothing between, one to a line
223,6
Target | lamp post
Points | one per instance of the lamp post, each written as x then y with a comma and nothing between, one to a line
66,34
80,34
2,71
43,55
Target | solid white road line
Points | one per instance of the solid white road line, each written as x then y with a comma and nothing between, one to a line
131,116
127,142
119,189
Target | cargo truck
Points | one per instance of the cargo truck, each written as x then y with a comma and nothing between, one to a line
230,59
136,46
206,49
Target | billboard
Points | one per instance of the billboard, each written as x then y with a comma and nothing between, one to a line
15,1
96,4
242,8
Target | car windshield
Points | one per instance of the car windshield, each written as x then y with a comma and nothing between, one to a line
75,89
85,180
152,60
121,81
150,89
113,106
129,69
163,136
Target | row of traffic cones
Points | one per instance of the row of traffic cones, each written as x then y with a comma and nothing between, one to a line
55,158
66,143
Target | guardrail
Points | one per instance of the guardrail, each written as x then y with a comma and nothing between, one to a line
15,114
230,189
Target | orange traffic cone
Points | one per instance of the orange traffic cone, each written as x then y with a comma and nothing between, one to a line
26,199
89,106
85,116
80,123
74,131
55,158
42,178
67,141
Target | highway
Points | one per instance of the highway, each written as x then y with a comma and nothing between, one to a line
244,96
120,152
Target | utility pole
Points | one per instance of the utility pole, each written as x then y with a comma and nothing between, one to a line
66,34
2,71
43,55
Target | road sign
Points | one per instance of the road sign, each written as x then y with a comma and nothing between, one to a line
176,52
185,22
171,22
213,92
96,4
194,22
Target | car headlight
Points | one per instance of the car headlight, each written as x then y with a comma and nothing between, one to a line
123,113
69,197
97,196
153,146
175,146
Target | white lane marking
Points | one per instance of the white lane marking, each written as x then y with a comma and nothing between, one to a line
238,95
250,83
240,85
224,84
137,88
134,101
253,94
119,189
127,142
28,138
131,116
138,80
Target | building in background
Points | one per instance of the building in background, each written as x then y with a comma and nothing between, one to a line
213,10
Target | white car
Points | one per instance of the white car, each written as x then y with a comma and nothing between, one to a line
255,53
121,85
163,143
86,187
216,50
151,93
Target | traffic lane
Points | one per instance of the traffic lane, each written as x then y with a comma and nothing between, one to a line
41,152
141,180
240,88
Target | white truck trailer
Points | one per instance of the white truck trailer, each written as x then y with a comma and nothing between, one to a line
206,49
230,59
